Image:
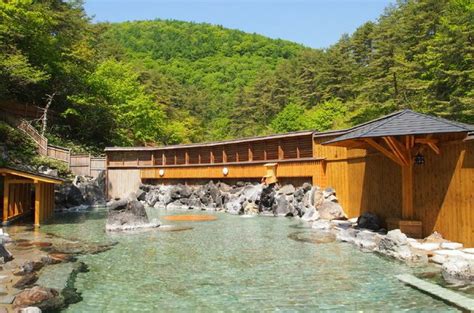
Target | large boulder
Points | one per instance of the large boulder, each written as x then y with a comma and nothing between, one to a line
68,196
128,214
46,299
458,270
369,221
396,245
330,210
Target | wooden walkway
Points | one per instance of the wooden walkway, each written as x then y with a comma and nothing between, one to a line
451,297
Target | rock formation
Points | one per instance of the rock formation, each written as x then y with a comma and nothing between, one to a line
128,214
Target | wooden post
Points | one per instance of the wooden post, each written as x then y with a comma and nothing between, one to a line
211,156
224,155
280,151
163,158
186,157
38,204
407,189
6,192
152,158
250,153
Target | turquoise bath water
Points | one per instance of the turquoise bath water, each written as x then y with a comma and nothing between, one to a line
232,264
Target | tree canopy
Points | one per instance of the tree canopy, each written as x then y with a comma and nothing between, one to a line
165,82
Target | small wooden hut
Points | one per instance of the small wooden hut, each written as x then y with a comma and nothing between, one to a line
24,192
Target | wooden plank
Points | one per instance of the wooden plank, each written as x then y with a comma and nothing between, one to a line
6,192
456,299
434,147
29,175
250,152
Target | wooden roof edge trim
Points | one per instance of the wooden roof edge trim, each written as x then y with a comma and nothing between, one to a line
210,144
30,175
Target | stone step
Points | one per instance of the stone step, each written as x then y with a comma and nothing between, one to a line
439,292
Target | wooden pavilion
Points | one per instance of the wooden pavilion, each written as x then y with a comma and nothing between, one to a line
24,192
403,138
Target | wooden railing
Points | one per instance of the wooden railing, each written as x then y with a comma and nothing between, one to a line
79,164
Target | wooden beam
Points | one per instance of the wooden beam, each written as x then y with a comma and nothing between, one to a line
397,149
20,181
434,147
224,155
383,150
30,175
186,157
211,156
163,158
250,153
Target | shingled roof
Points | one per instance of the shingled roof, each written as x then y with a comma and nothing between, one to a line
401,123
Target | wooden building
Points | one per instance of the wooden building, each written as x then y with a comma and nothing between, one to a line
24,192
371,166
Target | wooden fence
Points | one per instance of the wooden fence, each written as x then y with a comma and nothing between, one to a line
86,165
79,164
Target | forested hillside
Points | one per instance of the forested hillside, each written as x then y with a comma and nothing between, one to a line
163,82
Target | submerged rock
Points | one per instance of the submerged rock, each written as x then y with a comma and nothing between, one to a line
47,299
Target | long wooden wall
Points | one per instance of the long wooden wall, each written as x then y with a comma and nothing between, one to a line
287,169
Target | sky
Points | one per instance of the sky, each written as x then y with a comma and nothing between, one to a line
314,23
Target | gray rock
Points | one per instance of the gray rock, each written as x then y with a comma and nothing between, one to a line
347,235
287,190
395,244
127,214
306,187
367,240
316,197
5,255
330,210
282,207
252,192
68,195
457,270
369,221
180,191
299,194
329,191
234,207
152,197
310,215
